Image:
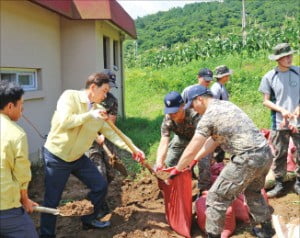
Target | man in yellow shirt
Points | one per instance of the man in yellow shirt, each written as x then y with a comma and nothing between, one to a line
15,173
75,125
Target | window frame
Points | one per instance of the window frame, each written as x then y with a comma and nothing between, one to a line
17,72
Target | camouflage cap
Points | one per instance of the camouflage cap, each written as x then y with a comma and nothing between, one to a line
281,50
222,71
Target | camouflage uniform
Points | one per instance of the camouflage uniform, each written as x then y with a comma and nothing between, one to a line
183,133
96,152
236,133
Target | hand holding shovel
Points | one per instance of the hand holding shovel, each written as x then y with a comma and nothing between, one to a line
133,149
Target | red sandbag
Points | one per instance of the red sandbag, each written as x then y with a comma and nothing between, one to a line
178,202
241,209
264,193
230,222
215,170
291,160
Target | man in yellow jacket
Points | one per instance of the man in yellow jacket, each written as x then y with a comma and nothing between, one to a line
15,173
75,125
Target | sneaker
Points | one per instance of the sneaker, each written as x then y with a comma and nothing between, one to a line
95,224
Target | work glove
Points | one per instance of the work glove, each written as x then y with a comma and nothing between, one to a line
138,156
193,163
99,114
158,167
173,173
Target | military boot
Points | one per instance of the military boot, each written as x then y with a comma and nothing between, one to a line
277,190
266,230
297,185
213,236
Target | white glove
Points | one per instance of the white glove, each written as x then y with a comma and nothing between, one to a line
96,113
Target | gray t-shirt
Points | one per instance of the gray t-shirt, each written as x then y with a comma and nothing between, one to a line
219,91
184,93
230,127
286,89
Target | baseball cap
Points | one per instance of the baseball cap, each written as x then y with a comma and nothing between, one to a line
173,101
195,91
206,73
112,77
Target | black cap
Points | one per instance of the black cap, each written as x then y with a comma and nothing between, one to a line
206,73
112,77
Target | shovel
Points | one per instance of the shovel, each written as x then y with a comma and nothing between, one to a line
132,148
52,211
77,208
114,161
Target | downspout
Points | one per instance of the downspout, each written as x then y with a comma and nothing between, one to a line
123,115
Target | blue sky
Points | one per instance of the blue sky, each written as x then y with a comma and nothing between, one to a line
139,8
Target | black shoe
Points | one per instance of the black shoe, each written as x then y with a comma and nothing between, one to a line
278,190
213,236
266,230
95,224
297,186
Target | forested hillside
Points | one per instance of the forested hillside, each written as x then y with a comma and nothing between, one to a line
209,19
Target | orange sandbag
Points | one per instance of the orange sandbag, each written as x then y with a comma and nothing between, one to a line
241,209
230,222
178,202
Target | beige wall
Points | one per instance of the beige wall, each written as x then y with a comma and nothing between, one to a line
30,38
82,52
64,51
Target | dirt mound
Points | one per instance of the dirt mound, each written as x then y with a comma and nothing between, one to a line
138,210
76,208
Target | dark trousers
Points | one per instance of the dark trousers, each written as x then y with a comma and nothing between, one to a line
16,223
280,140
57,172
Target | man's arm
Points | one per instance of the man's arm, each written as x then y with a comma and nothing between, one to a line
191,151
162,151
268,103
27,203
209,147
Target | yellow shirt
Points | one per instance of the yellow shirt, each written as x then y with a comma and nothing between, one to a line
15,171
73,128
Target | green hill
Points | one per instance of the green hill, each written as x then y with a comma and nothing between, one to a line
209,19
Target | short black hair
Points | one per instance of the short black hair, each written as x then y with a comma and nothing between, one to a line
98,79
9,92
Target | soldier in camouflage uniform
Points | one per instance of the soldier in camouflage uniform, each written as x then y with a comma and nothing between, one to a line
281,94
182,123
96,152
224,124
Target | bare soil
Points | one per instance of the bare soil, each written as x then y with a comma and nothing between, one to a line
138,209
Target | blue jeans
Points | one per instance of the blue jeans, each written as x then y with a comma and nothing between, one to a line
16,223
57,172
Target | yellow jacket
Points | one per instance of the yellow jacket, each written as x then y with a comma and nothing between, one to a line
15,171
73,128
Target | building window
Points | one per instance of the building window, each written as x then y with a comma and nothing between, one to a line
26,78
116,53
106,52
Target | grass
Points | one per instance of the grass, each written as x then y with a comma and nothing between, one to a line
145,89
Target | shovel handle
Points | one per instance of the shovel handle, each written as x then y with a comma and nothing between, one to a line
107,151
46,210
128,143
